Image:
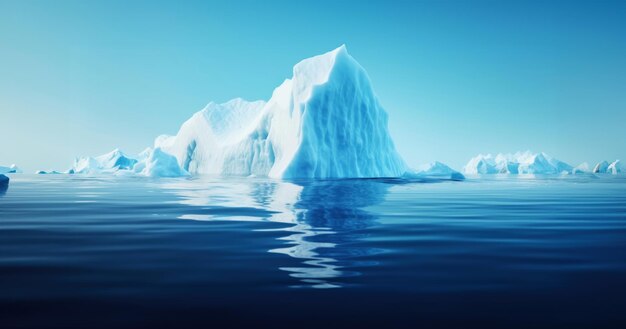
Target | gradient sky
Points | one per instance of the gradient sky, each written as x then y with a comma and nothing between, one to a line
457,77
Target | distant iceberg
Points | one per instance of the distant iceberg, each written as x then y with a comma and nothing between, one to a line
517,163
44,172
605,167
109,162
157,163
324,122
615,167
13,169
435,170
582,168
601,167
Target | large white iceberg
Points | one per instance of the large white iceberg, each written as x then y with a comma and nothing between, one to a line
13,169
516,163
324,122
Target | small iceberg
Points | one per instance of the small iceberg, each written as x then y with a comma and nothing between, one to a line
604,167
436,170
109,162
13,169
44,172
615,167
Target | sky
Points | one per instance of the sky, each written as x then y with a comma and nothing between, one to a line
457,78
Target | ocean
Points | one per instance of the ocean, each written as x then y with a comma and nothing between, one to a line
493,251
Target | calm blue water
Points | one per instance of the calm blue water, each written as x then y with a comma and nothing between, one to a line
129,252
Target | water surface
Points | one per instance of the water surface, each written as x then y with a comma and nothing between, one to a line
240,252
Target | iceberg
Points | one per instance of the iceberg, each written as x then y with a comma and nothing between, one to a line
605,167
4,180
615,167
516,163
109,162
481,164
159,164
582,168
324,122
13,169
436,170
601,167
51,172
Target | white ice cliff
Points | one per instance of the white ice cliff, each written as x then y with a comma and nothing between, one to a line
324,122
517,163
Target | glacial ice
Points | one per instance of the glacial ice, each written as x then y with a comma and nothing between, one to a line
601,167
159,164
582,168
50,172
109,162
324,122
435,170
13,169
604,167
517,163
615,167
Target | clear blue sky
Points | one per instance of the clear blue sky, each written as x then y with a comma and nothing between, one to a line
457,78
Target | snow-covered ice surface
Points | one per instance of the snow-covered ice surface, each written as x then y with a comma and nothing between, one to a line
13,169
516,163
324,122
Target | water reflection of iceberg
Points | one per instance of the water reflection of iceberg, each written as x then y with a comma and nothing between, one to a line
325,217
329,215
